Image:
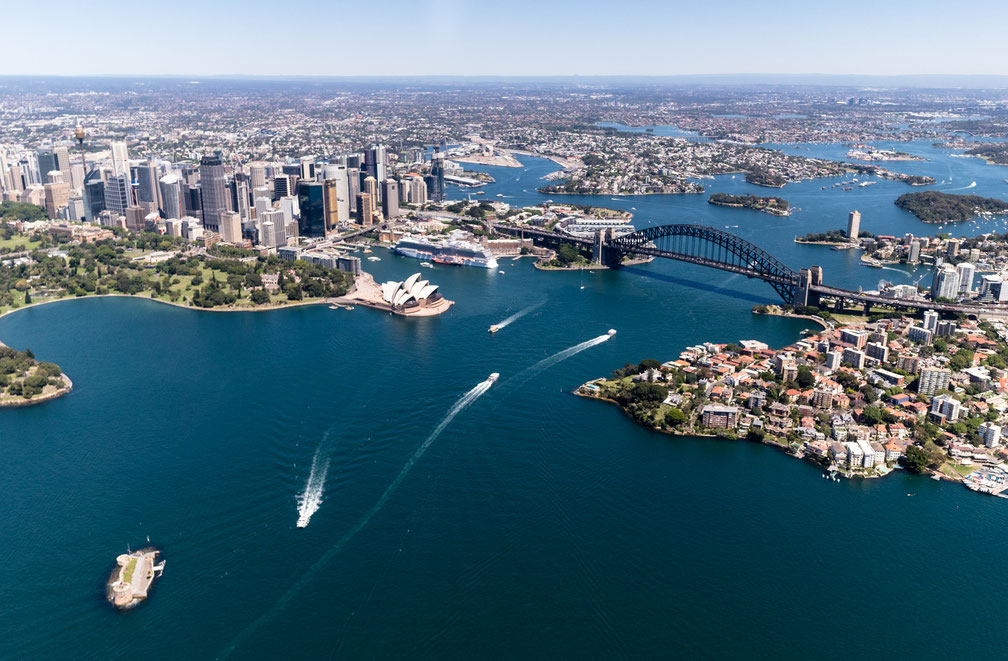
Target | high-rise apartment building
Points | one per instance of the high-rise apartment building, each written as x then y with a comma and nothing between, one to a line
854,224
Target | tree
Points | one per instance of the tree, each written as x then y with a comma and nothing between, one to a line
260,296
674,417
916,459
27,298
805,377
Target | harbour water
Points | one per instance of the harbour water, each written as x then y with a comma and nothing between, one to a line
535,524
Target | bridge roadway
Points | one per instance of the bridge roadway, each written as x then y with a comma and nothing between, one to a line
785,282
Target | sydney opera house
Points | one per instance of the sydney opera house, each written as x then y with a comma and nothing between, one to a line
413,296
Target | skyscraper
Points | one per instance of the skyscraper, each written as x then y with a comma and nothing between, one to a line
364,210
376,163
335,203
57,197
390,199
213,191
120,157
117,194
62,156
94,195
371,188
171,196
257,175
148,190
311,222
854,224
230,227
435,180
915,250
46,160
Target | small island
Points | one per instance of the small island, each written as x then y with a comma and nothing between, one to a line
936,207
771,205
132,578
25,381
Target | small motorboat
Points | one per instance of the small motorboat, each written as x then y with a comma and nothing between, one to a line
493,377
494,328
611,332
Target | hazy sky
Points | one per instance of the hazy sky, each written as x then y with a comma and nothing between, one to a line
505,37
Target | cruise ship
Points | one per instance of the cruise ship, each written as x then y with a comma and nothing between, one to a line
457,253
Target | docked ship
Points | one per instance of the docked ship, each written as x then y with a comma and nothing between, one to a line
455,253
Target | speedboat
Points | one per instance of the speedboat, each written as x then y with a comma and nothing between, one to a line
426,265
494,328
611,332
493,377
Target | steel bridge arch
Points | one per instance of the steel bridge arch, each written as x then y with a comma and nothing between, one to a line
708,246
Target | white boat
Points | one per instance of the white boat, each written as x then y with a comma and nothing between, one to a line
493,377
501,272
374,259
611,332
426,265
500,194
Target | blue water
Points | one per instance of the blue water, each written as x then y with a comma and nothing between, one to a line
537,524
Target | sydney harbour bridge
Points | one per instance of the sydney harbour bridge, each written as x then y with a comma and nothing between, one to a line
715,248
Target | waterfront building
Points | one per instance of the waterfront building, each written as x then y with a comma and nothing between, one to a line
966,273
277,236
952,247
854,224
930,320
990,433
933,379
331,202
213,193
720,417
833,359
945,283
311,222
349,263
915,250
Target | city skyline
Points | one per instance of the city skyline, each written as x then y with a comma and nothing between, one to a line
456,38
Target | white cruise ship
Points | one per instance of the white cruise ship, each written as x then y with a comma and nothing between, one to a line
458,253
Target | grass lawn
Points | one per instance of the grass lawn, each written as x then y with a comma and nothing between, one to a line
963,470
130,568
18,240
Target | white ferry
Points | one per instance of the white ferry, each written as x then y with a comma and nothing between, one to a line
458,253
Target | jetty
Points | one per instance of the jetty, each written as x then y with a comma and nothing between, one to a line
132,578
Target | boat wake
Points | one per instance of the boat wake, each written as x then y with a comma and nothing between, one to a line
462,404
311,498
546,363
518,315
972,185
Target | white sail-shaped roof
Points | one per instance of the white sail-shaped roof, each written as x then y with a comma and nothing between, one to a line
427,292
389,290
410,281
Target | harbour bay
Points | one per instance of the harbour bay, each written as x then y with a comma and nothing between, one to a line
499,542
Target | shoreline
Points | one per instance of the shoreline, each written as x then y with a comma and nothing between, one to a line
773,313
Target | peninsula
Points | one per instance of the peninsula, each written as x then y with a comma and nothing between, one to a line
859,400
25,381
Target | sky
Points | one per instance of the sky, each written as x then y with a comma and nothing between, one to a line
503,37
